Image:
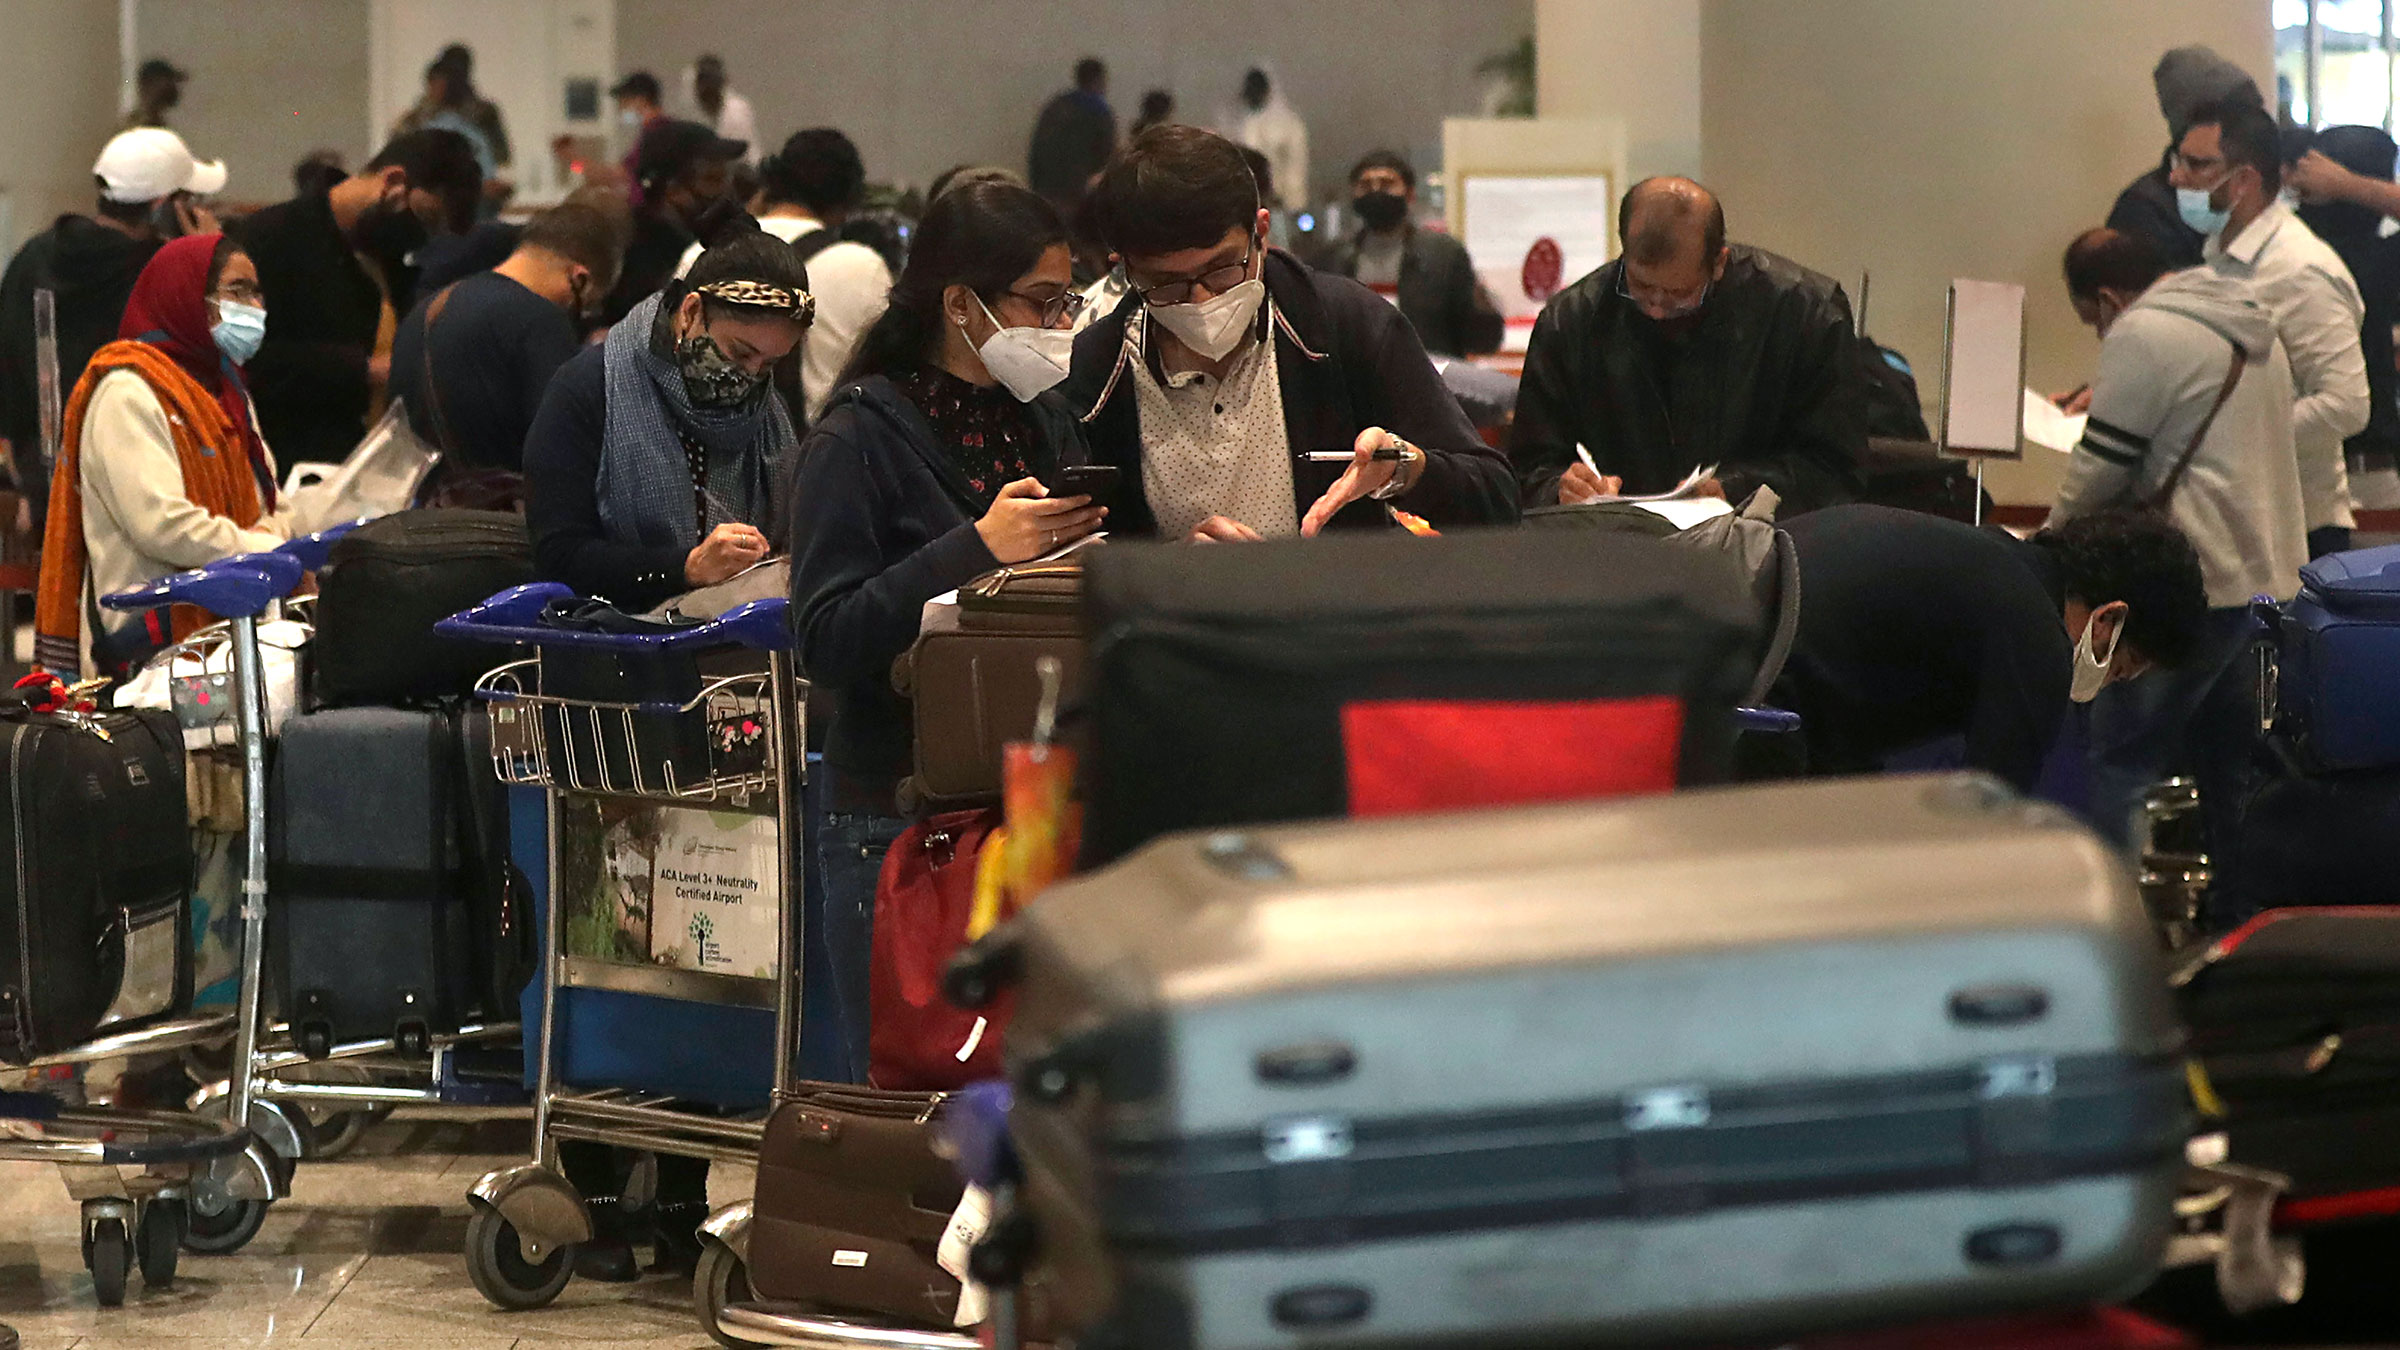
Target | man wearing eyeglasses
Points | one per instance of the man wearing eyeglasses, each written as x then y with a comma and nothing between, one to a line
1228,361
2227,174
1687,351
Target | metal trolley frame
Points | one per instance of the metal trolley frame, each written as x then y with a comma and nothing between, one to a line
528,1218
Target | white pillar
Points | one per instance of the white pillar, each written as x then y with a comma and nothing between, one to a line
1636,61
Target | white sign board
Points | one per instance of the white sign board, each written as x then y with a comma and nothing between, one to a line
1983,370
1532,236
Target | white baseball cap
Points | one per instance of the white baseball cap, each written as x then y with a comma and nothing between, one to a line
147,163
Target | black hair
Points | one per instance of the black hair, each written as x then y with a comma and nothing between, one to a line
1089,71
1397,163
124,213
2139,557
2117,260
959,174
981,235
440,162
582,234
1174,188
2249,137
227,246
818,168
1157,106
1658,242
640,84
751,255
317,172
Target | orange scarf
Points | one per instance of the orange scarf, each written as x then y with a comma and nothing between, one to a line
217,477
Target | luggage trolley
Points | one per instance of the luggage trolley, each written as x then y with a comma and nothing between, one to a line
246,1162
310,1098
729,743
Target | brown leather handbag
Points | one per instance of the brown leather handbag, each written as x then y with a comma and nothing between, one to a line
974,685
851,1205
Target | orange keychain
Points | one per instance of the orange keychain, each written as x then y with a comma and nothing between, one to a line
1043,826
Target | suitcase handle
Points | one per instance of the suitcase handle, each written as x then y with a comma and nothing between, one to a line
235,588
514,616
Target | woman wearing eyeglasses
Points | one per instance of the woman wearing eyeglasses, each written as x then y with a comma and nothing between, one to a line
163,468
930,466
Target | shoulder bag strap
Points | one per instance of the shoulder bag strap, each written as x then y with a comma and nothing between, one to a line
2233,376
433,393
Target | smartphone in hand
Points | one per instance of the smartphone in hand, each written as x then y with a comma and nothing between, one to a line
1096,481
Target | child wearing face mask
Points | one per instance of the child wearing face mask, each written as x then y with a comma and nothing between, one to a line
162,468
935,460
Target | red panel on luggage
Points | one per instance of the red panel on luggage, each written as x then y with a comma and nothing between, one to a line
1409,755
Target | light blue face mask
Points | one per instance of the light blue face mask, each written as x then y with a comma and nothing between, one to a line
239,330
2192,205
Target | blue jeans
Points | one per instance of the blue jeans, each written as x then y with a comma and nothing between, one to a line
850,849
2202,720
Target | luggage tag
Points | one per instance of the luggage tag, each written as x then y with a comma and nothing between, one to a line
203,702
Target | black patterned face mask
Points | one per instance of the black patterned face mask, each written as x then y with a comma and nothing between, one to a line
710,378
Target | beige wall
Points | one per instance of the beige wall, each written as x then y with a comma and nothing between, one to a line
1931,139
924,84
59,64
271,81
1634,61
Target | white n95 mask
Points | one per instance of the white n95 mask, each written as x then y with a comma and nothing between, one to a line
1215,326
1027,360
2091,668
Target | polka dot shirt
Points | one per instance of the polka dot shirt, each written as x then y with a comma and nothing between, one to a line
1216,447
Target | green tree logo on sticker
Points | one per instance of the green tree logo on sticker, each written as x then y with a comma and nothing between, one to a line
701,929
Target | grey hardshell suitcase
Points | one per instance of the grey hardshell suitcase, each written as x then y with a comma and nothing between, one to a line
1740,1062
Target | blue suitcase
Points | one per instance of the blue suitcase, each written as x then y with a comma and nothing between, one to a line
2338,661
703,1052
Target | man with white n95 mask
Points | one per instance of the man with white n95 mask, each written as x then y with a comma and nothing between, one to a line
1228,361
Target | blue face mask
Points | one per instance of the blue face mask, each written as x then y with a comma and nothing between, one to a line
239,330
2192,205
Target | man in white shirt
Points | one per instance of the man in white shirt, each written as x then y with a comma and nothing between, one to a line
1270,126
805,190
2227,173
726,112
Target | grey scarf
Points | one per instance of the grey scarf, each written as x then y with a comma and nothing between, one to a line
645,482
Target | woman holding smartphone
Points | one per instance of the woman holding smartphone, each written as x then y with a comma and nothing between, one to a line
929,466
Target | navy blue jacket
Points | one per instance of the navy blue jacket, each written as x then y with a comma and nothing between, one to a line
1347,361
882,521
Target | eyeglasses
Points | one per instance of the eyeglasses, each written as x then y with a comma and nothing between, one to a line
1664,304
2199,164
1064,305
240,292
1217,280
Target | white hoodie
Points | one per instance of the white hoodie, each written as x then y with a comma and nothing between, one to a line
2161,367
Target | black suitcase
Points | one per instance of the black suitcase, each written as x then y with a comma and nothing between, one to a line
2295,1025
379,923
1727,1065
387,583
2312,839
94,923
1376,674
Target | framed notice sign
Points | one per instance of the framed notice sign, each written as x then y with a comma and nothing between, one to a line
1531,236
1983,371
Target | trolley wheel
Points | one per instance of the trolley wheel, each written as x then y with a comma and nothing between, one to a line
160,1235
228,1230
108,1254
502,1274
721,1281
335,1135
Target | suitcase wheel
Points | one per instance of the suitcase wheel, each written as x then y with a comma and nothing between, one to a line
315,1039
412,1040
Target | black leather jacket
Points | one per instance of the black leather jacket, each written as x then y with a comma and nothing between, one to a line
1767,386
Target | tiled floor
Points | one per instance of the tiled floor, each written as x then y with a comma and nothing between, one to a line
365,1255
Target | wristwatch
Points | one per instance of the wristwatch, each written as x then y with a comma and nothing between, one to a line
1412,467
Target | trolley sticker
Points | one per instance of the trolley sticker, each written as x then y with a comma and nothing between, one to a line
646,883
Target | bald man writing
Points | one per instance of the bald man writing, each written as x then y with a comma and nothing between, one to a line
1688,351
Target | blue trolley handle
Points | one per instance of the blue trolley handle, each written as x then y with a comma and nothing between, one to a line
514,616
311,549
1767,721
235,588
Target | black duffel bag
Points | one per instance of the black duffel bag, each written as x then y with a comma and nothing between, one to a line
1381,674
388,582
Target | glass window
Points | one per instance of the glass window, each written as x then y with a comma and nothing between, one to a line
2334,62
